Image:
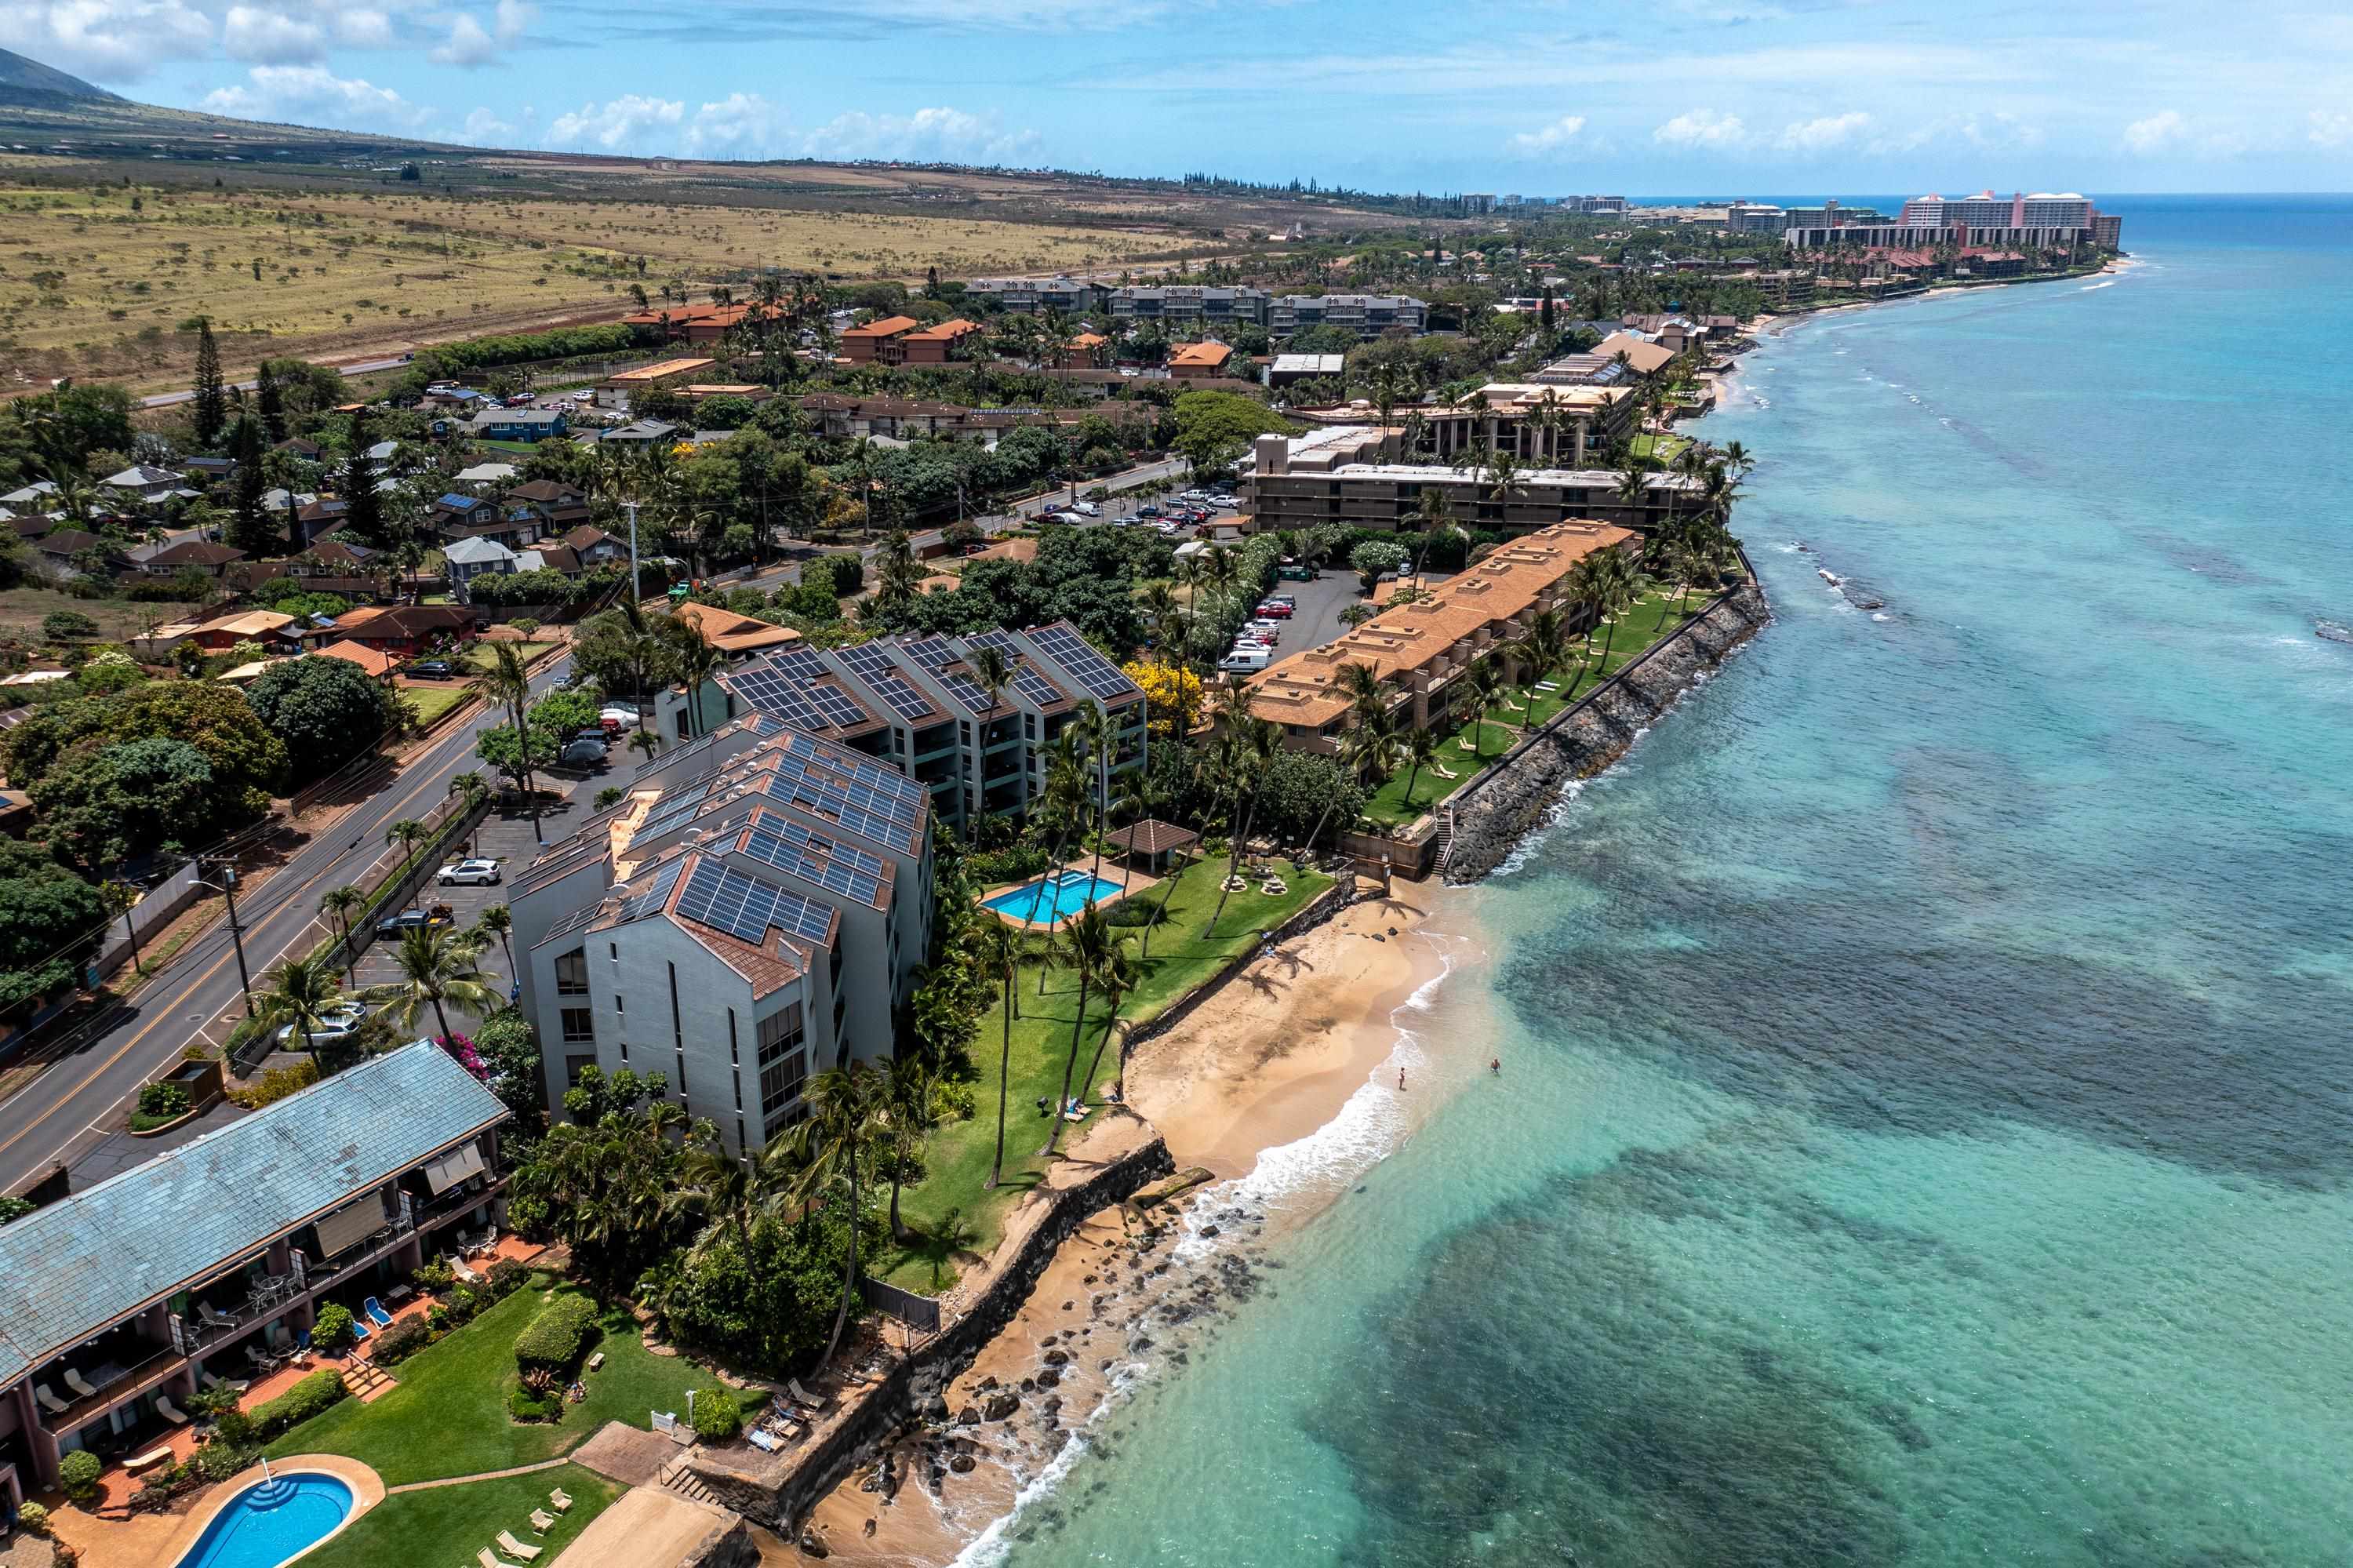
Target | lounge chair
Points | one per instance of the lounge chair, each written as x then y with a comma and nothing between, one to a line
360,1332
523,1550
375,1312
464,1270
542,1521
168,1411
213,1320
219,1383
482,1555
793,1387
49,1401
560,1499
74,1381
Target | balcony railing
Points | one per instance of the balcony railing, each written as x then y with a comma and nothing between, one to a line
358,1253
126,1384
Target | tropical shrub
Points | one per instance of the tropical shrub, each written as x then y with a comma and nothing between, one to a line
331,1334
435,1277
164,1100
717,1416
318,1392
33,1519
506,1278
220,1459
557,1336
276,1084
402,1341
78,1476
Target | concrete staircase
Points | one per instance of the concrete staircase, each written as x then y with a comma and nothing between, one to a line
365,1382
677,1477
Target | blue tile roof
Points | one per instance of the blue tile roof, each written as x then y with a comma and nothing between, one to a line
71,1270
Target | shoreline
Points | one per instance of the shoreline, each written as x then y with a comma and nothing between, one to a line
1276,1062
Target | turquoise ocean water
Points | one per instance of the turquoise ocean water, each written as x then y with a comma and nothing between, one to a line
1928,1111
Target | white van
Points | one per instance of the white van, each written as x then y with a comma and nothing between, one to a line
1246,660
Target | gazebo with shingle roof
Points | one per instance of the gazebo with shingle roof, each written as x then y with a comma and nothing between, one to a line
1154,841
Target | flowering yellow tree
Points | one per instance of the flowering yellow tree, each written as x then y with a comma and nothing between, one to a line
1174,692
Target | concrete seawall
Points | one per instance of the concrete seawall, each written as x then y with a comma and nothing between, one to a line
1527,787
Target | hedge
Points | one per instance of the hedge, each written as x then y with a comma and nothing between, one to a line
557,1336
717,1416
318,1392
402,1341
78,1475
506,1278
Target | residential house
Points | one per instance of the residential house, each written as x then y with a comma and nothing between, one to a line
641,434
1198,361
455,510
754,914
55,552
139,485
1081,351
520,424
547,558
133,1293
934,344
407,630
623,385
198,555
488,474
557,508
471,558
877,340
594,547
209,471
319,516
302,447
375,661
1644,359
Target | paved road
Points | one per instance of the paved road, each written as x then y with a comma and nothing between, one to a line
165,399
61,1112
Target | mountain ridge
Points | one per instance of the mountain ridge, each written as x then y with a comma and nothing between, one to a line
20,74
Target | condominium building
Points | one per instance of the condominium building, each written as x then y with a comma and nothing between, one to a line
913,701
1535,422
1985,210
1367,315
751,914
121,1300
1191,306
1754,217
1420,648
1072,296
2045,219
1353,475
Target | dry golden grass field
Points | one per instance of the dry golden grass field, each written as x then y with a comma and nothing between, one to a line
97,280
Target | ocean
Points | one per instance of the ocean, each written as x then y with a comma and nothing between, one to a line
1926,1109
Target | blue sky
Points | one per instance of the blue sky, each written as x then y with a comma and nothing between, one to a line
1720,97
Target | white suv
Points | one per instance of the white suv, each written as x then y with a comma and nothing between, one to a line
469,872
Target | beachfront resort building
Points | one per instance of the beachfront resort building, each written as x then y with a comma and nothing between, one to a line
1360,477
118,1302
1027,296
753,913
1367,315
1421,650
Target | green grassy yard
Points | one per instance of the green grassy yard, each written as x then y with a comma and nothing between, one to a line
480,657
446,1525
1501,726
448,1416
1185,952
429,703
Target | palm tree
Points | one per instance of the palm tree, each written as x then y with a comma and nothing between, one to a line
436,967
339,904
1486,686
498,921
1540,649
508,684
690,659
846,1109
1588,588
473,787
999,948
1260,740
897,572
912,1096
722,1192
1421,748
301,993
1087,944
1431,517
1118,976
406,832
992,672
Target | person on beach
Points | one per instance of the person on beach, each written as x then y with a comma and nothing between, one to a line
1496,1066
1400,1080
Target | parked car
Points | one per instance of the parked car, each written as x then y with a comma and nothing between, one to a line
1270,630
1275,609
1088,509
433,670
1245,661
587,751
1147,510
337,1022
475,873
390,927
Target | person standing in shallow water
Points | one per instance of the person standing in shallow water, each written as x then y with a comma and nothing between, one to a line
1400,1080
1496,1066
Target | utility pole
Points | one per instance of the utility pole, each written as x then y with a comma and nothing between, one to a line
228,886
634,594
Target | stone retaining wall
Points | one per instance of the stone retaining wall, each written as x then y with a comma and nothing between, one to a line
1316,910
780,1491
1527,787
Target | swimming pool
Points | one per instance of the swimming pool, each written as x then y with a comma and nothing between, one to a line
1052,898
271,1521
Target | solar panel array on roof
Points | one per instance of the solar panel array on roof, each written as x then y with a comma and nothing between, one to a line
1098,674
873,666
647,896
760,726
720,897
844,868
800,663
934,653
771,692
1032,687
861,810
840,711
574,921
673,808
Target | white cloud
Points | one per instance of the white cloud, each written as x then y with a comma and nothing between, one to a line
483,128
1702,128
2156,132
741,125
471,44
2330,128
115,40
364,28
611,125
1822,134
270,38
287,92
1547,138
941,135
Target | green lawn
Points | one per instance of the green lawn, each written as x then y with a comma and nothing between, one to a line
448,1416
444,1527
1662,448
1502,726
429,703
1185,952
480,656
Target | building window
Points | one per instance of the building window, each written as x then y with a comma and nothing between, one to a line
676,1026
780,1084
681,1076
739,1089
573,1066
619,1005
734,1057
579,1023
571,974
780,1031
613,951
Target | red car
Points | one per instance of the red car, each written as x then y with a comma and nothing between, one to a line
1276,610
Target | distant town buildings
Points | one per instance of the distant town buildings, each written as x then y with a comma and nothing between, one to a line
1367,315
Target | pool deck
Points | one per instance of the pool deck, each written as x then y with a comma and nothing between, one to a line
1131,883
160,1539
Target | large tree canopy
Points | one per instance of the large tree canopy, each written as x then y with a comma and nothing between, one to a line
248,763
109,805
327,711
48,922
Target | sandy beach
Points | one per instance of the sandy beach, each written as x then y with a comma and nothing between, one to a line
1268,1059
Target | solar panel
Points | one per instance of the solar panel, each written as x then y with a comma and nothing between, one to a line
772,693
874,667
1033,687
840,711
934,653
1098,674
673,809
720,897
800,663
650,896
842,868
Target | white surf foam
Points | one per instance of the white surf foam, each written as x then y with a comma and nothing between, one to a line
991,1546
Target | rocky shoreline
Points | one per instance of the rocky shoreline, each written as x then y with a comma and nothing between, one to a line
1526,788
